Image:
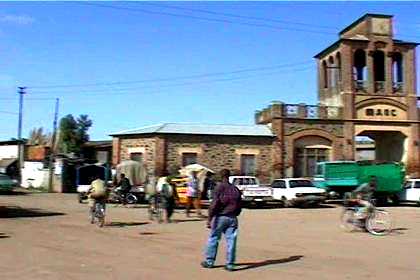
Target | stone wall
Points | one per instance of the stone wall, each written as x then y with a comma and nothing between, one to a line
218,152
149,145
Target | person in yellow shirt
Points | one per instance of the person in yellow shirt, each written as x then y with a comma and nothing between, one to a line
97,193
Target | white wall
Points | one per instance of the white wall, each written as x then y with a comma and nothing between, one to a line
8,151
34,175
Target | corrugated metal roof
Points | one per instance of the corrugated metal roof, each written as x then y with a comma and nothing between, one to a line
203,129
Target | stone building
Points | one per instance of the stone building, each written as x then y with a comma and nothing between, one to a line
245,149
366,87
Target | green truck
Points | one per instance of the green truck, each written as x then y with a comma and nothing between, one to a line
339,177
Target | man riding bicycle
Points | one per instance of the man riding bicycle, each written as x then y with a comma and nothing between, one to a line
363,195
124,187
97,194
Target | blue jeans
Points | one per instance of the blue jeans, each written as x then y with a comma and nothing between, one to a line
229,227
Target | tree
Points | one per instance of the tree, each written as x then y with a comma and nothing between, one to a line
37,136
83,125
73,133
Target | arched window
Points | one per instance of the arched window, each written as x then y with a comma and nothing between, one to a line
379,66
338,59
359,69
359,65
332,72
379,70
397,68
325,73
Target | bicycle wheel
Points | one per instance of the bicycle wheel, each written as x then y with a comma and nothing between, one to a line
151,211
100,215
131,198
101,221
348,220
159,211
379,223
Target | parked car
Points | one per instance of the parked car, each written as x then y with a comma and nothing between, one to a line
411,191
297,191
251,189
6,183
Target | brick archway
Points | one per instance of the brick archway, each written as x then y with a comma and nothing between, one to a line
291,139
382,100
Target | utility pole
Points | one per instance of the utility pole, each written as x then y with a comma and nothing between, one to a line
21,92
52,150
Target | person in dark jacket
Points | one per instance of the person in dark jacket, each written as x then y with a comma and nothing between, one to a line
208,188
124,185
223,212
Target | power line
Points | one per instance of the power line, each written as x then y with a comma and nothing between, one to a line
196,76
9,113
115,90
238,16
204,18
220,20
36,98
262,19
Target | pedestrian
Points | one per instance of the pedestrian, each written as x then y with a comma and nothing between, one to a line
193,194
222,218
209,185
167,193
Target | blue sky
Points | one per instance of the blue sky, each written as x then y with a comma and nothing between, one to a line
143,63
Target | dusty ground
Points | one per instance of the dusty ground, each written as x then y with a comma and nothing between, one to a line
48,237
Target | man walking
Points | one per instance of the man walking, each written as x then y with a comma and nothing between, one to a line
223,212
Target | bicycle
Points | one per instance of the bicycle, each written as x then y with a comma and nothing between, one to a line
375,221
98,213
156,208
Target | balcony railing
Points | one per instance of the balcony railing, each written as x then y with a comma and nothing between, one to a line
360,85
298,111
398,86
311,111
279,110
379,86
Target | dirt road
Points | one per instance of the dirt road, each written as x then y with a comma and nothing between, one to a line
48,236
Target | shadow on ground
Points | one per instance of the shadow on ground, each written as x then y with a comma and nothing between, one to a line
7,212
3,235
127,206
14,193
320,206
148,233
274,206
125,224
190,220
398,231
252,265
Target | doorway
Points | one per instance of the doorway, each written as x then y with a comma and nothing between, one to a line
388,145
308,151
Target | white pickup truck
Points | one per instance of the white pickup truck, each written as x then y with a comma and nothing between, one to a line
251,189
411,191
297,191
